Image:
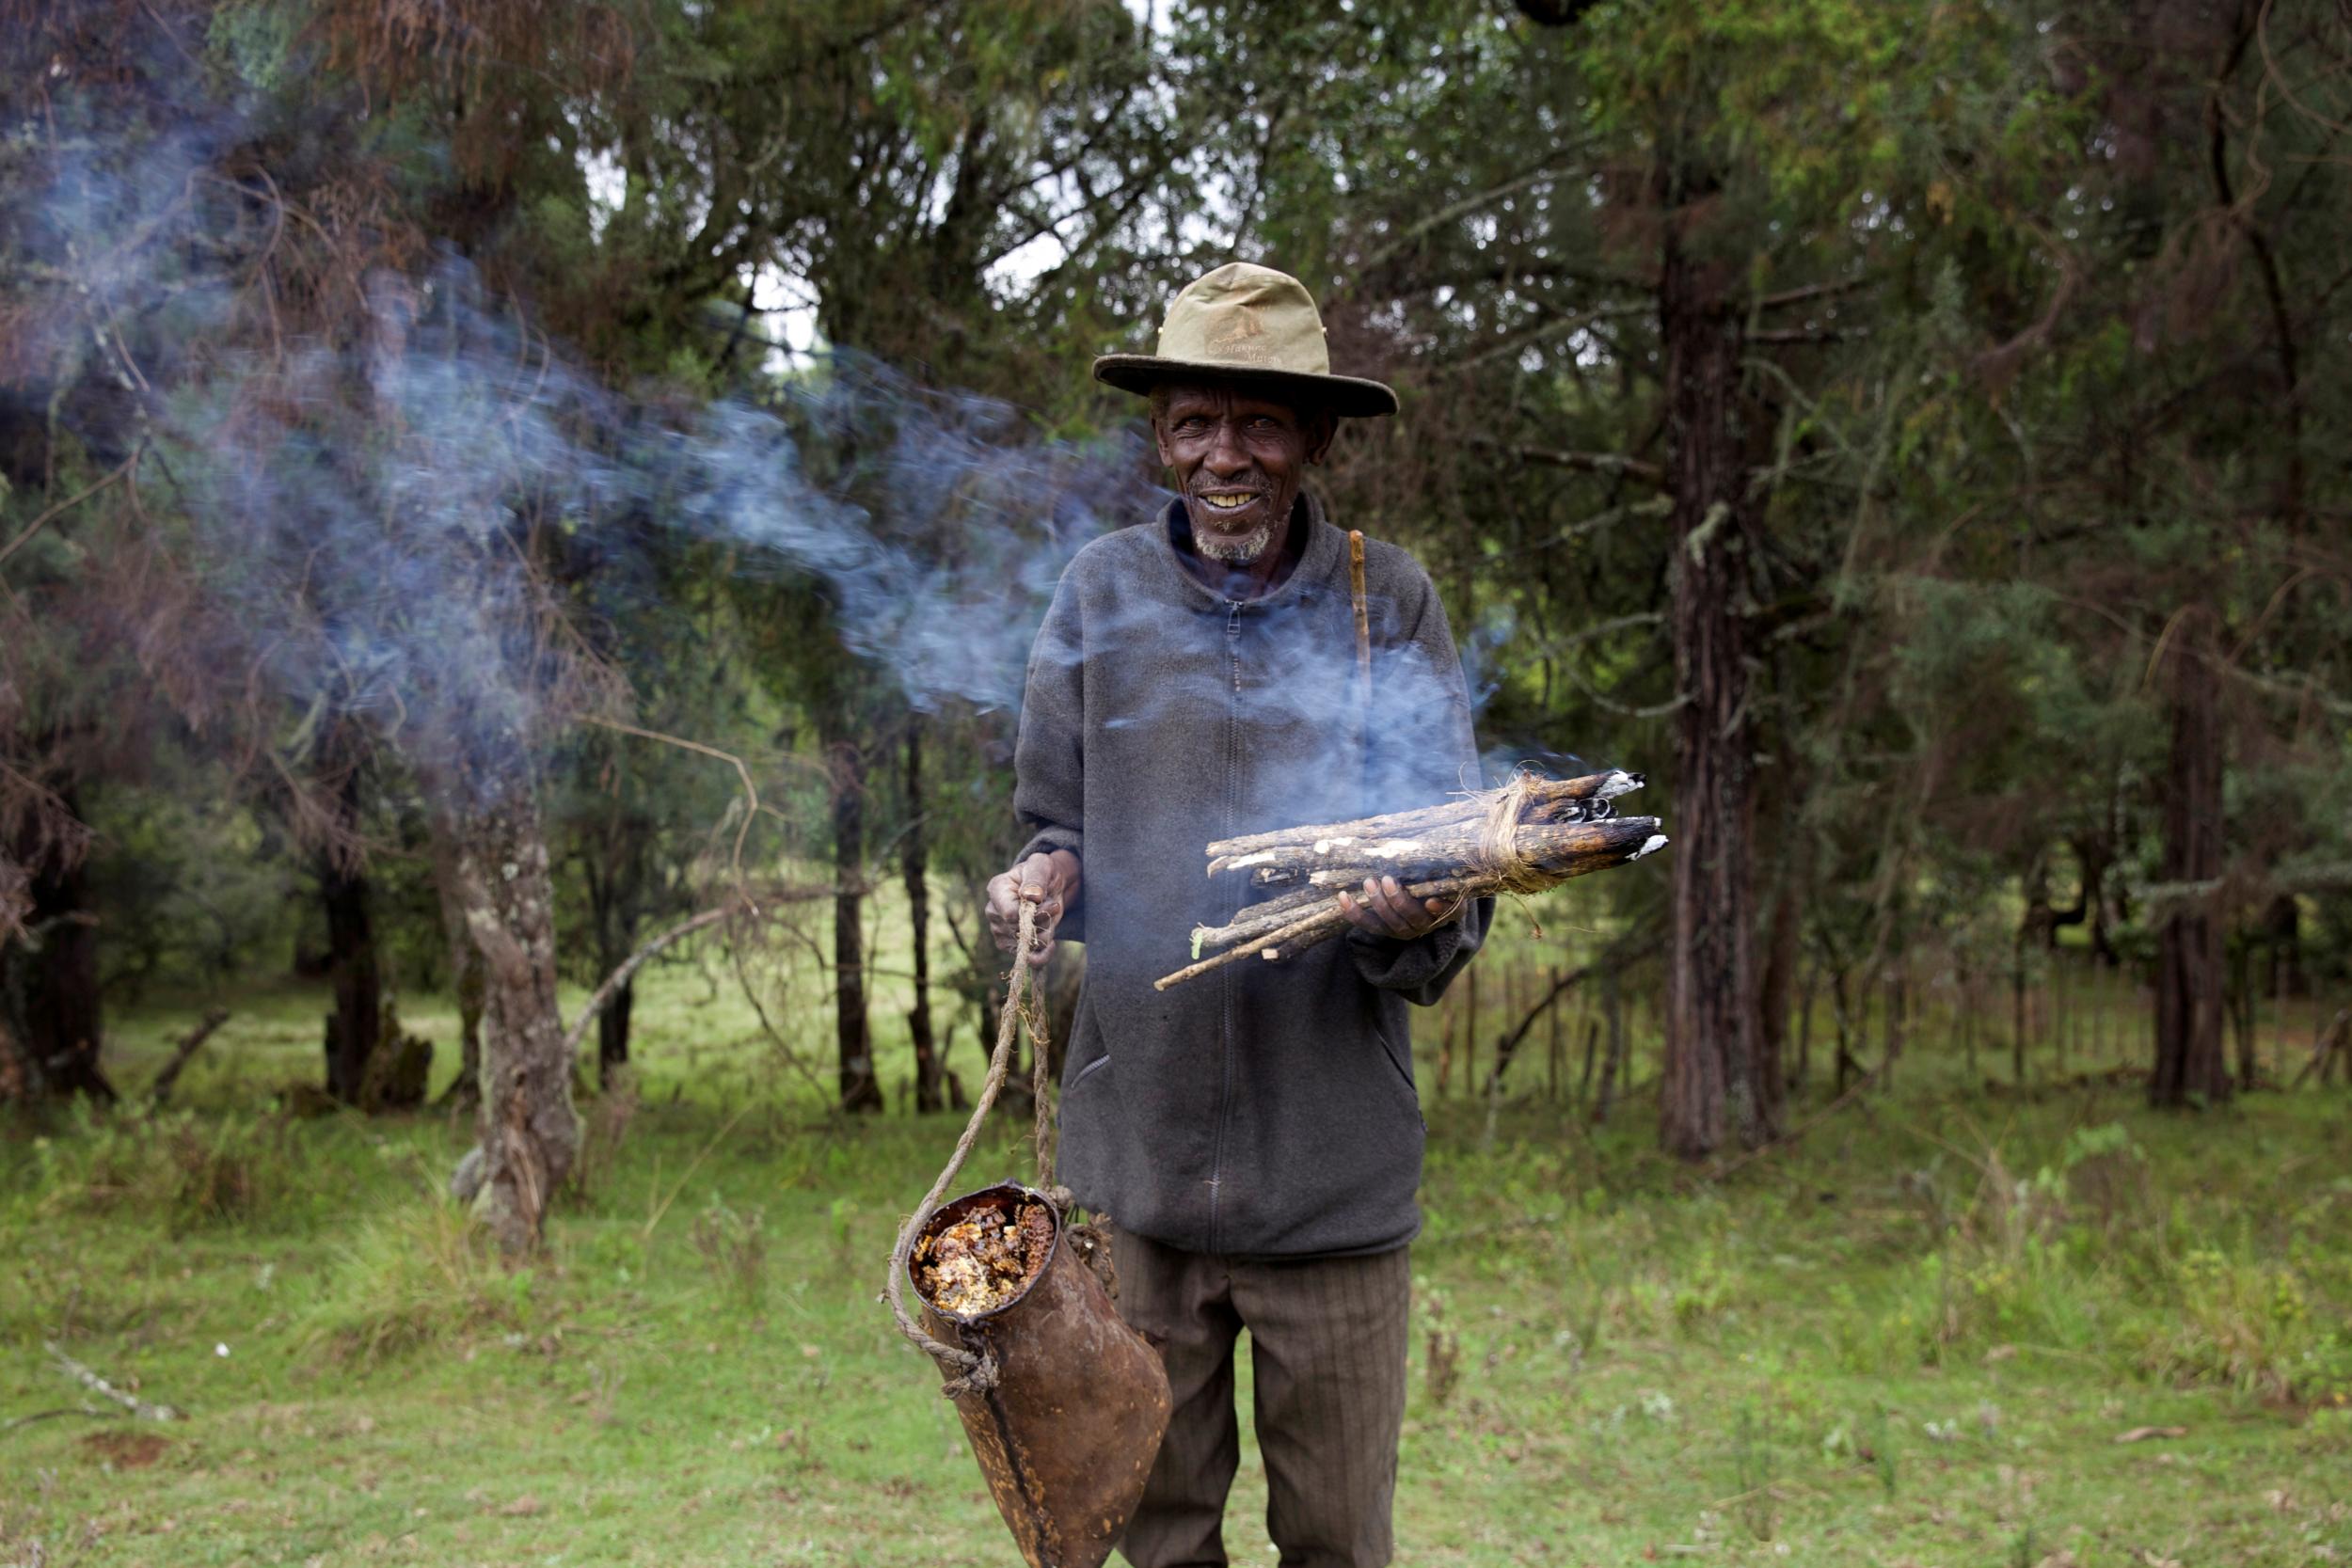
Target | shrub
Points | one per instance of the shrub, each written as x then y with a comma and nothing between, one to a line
2246,1324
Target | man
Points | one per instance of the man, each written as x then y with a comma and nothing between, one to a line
1254,1135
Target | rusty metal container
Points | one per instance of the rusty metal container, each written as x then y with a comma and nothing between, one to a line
1067,1436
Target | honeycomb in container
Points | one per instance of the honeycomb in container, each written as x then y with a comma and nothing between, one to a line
984,1260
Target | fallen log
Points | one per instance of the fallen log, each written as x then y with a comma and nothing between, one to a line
1511,839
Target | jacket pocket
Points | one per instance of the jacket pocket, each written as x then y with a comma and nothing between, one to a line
1087,1071
1404,1074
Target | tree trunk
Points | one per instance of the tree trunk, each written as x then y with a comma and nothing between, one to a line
1470,1032
1555,1033
2283,948
612,1034
1714,1081
616,867
49,979
2017,1010
1612,1065
2095,858
2190,1066
466,977
1802,1073
352,1028
861,1090
1450,1023
1964,994
913,869
2238,1006
529,1130
18,1081
1898,1020
1841,1009
1773,992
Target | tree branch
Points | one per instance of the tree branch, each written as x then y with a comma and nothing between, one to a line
743,903
25,535
1615,465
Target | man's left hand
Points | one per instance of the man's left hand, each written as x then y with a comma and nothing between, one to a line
1386,910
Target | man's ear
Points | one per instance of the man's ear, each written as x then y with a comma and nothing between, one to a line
1159,440
1320,430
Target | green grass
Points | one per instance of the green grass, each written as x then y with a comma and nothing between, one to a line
1913,1337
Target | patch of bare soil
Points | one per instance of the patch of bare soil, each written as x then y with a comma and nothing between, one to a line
126,1450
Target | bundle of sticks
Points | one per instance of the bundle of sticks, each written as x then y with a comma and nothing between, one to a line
1531,834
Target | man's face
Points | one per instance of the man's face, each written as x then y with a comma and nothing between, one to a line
1238,456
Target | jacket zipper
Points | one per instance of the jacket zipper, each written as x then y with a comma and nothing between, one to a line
1225,1035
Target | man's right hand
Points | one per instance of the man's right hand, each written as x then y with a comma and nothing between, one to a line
1049,880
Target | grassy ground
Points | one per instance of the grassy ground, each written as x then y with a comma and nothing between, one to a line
1922,1334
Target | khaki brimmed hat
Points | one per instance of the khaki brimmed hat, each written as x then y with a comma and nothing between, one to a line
1252,325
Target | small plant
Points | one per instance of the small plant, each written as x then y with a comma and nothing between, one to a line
1880,1450
1443,1366
603,1130
1752,1458
735,1246
842,1216
194,1172
424,1276
1702,1293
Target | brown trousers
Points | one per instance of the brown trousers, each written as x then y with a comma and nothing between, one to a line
1326,1349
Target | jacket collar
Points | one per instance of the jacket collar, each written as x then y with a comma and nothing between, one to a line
1324,549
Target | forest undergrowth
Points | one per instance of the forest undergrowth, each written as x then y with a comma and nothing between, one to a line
1945,1326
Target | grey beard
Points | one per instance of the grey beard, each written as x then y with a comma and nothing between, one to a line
1233,552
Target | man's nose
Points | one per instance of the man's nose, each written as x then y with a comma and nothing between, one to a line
1227,454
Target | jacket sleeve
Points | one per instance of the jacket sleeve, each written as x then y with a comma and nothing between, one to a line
1421,753
1049,755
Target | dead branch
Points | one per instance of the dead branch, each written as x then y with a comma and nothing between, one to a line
138,1407
1508,1048
181,1055
2335,1043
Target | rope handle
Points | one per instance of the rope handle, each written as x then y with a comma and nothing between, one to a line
976,1372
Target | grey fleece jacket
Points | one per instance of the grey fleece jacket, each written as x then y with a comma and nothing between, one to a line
1266,1109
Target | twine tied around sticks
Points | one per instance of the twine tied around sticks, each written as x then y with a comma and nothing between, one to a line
1496,853
978,1372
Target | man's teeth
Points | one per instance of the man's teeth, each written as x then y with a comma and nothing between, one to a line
1229,502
